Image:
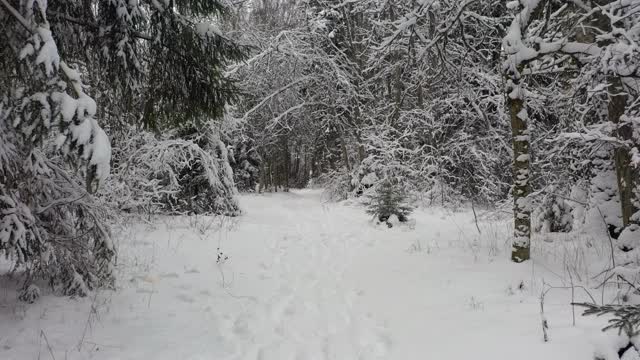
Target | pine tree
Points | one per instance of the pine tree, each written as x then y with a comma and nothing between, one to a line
66,64
51,226
387,200
158,61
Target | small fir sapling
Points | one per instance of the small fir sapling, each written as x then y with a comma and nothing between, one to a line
388,200
624,318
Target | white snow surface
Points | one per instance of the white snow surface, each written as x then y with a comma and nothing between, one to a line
298,279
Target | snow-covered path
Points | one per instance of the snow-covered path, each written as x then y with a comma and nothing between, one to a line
297,279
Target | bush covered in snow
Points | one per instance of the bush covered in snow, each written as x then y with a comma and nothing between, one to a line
51,227
183,172
337,185
246,166
244,158
553,215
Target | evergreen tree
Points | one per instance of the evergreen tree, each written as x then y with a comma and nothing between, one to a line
64,65
51,226
388,200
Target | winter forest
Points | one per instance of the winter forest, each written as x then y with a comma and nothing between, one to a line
320,179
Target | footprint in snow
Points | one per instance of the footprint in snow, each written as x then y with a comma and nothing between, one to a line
185,298
145,291
376,349
277,351
150,279
141,243
241,326
171,275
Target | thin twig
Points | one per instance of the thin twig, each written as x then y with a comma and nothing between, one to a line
475,217
88,322
543,319
17,15
43,335
573,296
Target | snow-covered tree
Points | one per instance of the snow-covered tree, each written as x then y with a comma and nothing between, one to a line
182,172
540,40
387,200
51,226
73,72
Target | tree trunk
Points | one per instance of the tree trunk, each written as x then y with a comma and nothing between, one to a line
287,163
622,158
521,187
513,66
263,178
271,179
361,149
626,173
345,154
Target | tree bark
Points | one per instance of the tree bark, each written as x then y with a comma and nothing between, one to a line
521,186
622,158
626,173
345,153
513,67
287,163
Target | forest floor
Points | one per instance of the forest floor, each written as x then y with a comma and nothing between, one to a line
295,278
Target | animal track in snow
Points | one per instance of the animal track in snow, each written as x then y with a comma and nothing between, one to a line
185,298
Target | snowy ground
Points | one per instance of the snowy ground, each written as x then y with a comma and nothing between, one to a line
305,280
